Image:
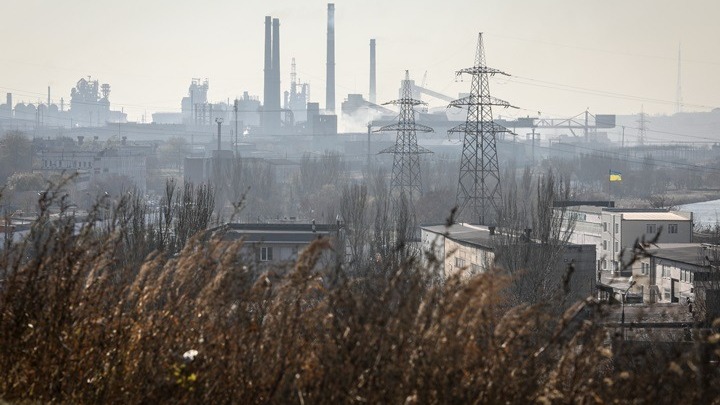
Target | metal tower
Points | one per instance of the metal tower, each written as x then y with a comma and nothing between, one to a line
642,125
678,91
478,193
406,152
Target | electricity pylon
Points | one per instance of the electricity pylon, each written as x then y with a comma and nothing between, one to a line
642,122
405,184
479,196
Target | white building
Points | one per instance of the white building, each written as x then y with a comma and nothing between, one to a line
98,164
470,248
613,230
684,273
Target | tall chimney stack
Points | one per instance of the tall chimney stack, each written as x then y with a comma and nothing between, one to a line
267,90
48,104
276,74
330,81
372,72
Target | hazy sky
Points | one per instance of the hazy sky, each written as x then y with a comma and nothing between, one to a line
610,56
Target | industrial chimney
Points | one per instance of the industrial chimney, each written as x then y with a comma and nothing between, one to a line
267,89
372,72
275,107
330,82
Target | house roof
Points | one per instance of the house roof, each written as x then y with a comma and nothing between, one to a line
475,235
279,233
690,253
653,216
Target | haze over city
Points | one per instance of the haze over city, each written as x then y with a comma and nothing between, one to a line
401,202
565,56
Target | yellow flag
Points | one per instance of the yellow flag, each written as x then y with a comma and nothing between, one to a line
615,176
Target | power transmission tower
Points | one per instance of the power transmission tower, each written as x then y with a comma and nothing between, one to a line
678,91
405,182
479,196
642,126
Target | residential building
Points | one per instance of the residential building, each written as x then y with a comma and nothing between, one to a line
471,248
683,273
98,163
268,243
614,230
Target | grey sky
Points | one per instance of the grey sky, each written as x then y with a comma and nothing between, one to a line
149,50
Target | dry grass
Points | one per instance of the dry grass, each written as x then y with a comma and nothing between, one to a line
81,323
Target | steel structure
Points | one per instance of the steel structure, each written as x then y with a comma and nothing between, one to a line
642,122
479,196
406,152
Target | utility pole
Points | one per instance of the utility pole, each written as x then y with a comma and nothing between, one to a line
678,91
235,109
369,127
219,121
479,180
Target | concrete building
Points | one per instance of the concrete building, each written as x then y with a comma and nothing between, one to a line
101,164
268,243
613,230
678,273
465,247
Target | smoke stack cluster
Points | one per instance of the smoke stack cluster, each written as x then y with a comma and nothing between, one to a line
330,82
271,105
373,95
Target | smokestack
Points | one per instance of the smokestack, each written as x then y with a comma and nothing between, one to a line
330,81
268,66
276,71
372,71
9,101
48,104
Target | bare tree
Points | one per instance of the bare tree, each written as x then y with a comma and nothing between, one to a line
532,239
353,209
15,154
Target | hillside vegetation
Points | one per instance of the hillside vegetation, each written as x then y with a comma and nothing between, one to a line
101,312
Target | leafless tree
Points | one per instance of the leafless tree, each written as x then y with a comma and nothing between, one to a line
532,239
353,209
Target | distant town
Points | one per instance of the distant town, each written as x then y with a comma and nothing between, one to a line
293,218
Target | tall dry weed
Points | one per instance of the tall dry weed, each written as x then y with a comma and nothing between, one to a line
81,323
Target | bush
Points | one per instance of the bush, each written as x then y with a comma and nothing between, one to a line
80,323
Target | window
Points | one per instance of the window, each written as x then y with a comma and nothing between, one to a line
604,265
650,228
266,254
617,246
617,228
667,294
604,226
672,228
665,272
605,245
459,262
